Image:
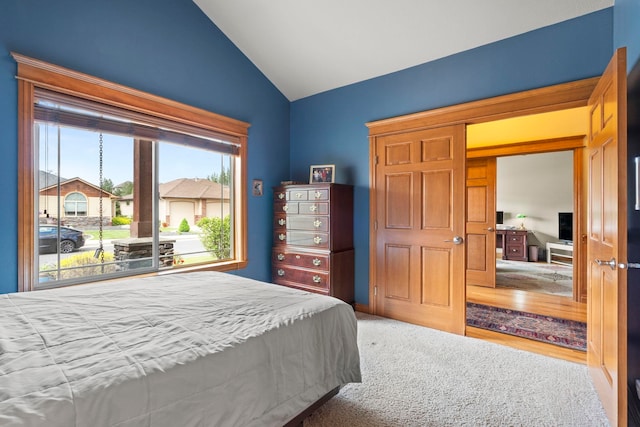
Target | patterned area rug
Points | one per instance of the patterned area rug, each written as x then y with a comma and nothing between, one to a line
540,277
565,333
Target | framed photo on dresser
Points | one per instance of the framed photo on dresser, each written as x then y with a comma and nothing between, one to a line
322,173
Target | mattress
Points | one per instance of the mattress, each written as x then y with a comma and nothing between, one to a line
192,349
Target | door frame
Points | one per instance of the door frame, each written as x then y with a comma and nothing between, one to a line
575,144
551,98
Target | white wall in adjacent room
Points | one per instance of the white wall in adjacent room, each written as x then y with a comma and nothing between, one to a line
539,186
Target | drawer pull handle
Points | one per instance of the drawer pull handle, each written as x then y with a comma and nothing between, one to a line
298,195
317,240
316,262
313,208
281,196
318,195
317,223
282,221
280,257
282,236
280,272
285,208
317,279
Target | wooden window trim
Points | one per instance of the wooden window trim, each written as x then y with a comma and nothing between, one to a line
35,75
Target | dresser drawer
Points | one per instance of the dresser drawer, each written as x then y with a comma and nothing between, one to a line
514,239
515,251
319,194
298,194
311,223
315,261
291,275
279,222
286,207
313,208
302,238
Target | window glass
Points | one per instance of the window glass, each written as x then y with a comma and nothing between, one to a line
75,204
196,204
100,153
93,225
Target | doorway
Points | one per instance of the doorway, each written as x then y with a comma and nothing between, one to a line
535,194
605,98
532,184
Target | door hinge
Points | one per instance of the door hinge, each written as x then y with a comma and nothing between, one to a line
375,225
375,291
375,160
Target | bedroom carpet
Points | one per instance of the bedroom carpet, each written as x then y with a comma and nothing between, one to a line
540,277
415,376
551,330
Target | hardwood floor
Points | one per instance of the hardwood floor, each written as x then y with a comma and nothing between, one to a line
531,302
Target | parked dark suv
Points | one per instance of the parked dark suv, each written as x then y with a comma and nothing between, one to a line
70,239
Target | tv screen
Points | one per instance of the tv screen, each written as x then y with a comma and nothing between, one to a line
499,217
565,226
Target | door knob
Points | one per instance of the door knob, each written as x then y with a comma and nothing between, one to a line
629,265
457,240
611,263
490,229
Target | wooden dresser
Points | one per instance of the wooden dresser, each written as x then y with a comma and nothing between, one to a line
514,244
313,239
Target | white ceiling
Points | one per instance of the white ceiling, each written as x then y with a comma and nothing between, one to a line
306,47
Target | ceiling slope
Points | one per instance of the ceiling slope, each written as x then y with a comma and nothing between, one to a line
305,47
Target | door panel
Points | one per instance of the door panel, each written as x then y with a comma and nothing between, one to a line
607,226
419,210
481,211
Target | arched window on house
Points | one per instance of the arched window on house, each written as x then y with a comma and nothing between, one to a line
75,204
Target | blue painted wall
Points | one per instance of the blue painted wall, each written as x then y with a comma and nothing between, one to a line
165,47
330,127
626,19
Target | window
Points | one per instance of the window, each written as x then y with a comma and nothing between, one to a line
75,204
123,182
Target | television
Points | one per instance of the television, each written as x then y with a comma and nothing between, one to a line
499,217
565,226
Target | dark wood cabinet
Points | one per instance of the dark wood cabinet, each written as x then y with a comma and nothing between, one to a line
313,239
514,244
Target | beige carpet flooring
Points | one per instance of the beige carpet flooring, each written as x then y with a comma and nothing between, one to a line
415,376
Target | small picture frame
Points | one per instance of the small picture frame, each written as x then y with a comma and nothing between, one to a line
256,187
322,173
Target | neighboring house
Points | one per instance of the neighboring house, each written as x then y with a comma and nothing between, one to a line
189,198
192,199
81,204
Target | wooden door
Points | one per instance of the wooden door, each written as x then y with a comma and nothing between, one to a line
481,222
419,213
606,240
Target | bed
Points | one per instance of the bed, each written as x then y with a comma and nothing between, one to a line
191,349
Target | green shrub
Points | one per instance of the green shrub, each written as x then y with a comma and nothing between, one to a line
89,266
120,220
184,226
216,235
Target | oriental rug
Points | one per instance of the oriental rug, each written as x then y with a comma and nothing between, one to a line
551,330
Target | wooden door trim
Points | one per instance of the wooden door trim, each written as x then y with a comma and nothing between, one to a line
551,98
528,147
577,145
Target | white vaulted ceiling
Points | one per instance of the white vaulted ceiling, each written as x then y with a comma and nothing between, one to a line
306,47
